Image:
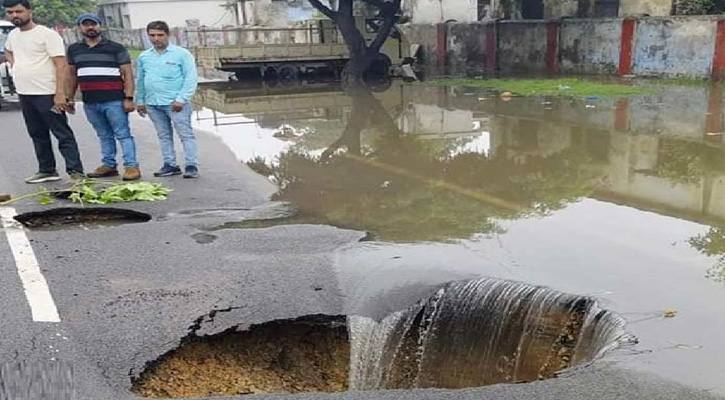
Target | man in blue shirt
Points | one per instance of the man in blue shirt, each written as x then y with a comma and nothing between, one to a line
165,82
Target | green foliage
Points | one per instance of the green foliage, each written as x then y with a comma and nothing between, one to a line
712,244
682,161
259,165
568,87
94,192
119,193
134,53
60,12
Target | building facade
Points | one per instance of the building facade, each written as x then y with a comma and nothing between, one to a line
133,14
436,11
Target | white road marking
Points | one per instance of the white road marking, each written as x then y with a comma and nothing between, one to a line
36,288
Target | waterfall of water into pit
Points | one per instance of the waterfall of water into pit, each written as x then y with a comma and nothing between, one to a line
477,333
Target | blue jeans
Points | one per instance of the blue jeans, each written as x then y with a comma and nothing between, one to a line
165,121
111,123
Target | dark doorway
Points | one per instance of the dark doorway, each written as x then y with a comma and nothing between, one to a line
606,9
532,9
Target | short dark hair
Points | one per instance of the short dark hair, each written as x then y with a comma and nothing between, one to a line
158,25
13,3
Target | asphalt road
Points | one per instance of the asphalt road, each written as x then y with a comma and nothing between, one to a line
128,294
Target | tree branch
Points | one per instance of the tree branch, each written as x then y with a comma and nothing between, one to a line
388,10
323,9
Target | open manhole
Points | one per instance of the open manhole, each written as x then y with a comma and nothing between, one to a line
467,334
83,218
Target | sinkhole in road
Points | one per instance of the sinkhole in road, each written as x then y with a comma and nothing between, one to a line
466,334
81,218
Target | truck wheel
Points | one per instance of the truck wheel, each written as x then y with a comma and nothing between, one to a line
270,73
288,73
380,68
248,73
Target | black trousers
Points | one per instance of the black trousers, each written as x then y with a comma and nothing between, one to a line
41,121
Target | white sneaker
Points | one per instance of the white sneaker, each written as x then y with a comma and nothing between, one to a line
41,177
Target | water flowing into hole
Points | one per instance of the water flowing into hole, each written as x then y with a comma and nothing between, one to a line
479,333
467,334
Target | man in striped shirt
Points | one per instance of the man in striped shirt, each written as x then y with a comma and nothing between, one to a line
102,68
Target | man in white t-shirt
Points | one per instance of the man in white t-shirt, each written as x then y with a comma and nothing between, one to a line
37,55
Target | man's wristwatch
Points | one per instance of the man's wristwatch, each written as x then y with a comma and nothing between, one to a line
128,98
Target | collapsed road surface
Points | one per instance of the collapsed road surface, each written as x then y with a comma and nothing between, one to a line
85,310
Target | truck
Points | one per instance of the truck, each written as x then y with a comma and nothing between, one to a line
315,47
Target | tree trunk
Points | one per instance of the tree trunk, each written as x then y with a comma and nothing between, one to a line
354,72
362,54
360,60
367,112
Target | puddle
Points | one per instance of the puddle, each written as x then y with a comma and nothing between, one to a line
616,195
203,238
467,334
80,218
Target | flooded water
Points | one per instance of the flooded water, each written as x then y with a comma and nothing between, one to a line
621,199
477,333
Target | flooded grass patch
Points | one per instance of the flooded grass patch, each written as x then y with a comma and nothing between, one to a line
566,87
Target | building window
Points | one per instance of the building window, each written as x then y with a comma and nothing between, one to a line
606,8
532,9
484,10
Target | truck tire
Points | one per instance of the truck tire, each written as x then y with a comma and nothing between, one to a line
248,73
380,68
288,72
270,74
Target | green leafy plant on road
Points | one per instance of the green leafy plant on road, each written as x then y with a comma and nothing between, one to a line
93,192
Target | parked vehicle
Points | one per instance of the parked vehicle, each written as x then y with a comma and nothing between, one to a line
7,87
6,27
286,53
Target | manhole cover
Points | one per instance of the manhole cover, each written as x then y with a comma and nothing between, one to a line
82,218
467,334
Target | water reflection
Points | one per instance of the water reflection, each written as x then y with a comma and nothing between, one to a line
407,182
712,244
413,163
621,199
